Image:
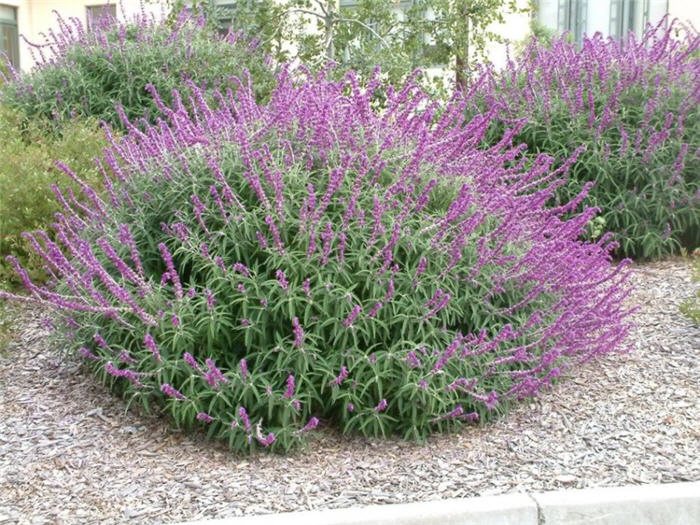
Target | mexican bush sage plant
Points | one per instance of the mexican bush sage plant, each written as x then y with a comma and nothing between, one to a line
103,71
634,105
257,270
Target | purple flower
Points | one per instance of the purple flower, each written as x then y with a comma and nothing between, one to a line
244,417
124,356
298,333
353,316
350,407
87,353
215,374
100,341
203,416
312,424
151,345
341,377
241,268
377,306
171,392
244,369
190,360
210,299
381,407
282,279
412,359
266,441
289,393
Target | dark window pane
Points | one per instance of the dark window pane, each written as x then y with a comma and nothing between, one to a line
9,36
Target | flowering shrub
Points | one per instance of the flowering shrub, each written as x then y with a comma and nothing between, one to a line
87,73
255,269
634,105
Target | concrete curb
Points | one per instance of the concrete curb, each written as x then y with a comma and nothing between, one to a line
669,504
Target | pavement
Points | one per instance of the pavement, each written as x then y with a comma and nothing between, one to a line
667,504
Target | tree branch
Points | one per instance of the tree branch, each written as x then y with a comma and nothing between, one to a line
368,28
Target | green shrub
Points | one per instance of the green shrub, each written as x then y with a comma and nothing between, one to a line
29,149
255,269
90,72
635,106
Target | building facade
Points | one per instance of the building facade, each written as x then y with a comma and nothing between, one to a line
612,17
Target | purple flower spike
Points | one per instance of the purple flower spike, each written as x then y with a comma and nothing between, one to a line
381,407
312,424
190,360
298,333
210,299
169,391
353,316
151,345
203,416
282,279
266,441
244,417
289,393
341,377
87,354
244,369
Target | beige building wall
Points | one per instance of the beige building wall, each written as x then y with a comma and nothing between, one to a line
685,10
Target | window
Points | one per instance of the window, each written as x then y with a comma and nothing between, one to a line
95,13
628,15
571,17
9,37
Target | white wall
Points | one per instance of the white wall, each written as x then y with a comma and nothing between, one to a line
685,10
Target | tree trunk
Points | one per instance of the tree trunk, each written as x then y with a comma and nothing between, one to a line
462,60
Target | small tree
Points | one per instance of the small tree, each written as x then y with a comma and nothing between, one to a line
458,31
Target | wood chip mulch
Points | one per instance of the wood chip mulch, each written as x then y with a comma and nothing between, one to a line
70,454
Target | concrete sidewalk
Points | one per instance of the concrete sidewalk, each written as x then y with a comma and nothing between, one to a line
669,504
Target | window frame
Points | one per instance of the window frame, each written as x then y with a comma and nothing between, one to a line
13,51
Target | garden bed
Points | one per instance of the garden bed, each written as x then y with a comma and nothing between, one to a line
70,454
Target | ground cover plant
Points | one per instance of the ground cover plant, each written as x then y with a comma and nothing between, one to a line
103,71
255,269
634,105
29,149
